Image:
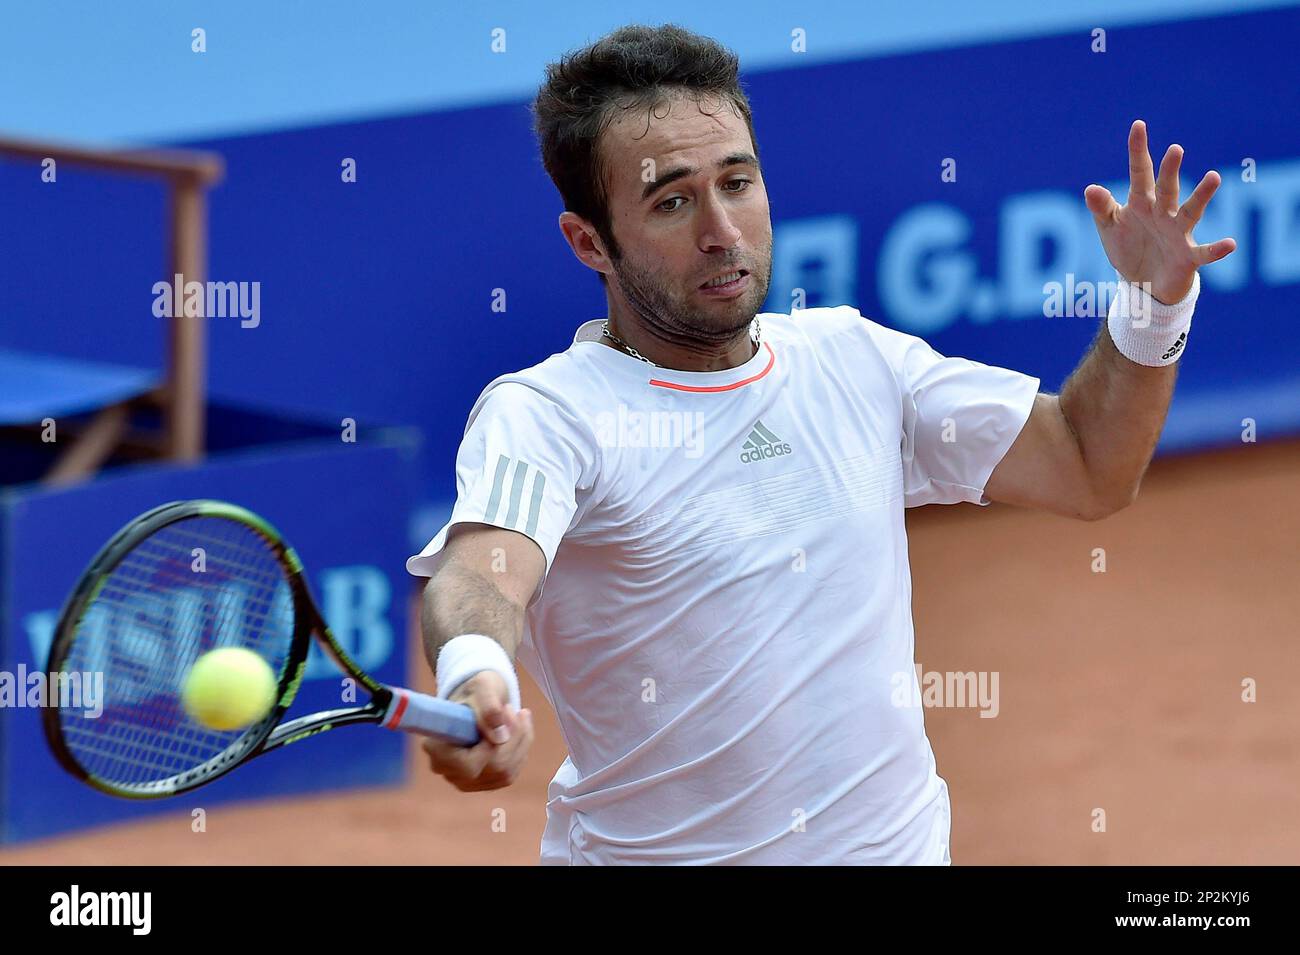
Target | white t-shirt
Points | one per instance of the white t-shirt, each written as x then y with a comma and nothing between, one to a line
726,615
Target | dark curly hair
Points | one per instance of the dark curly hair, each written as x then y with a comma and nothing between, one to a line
635,67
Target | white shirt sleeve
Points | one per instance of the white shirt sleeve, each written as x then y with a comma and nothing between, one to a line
523,465
960,417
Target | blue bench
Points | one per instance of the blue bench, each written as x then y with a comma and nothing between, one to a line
34,387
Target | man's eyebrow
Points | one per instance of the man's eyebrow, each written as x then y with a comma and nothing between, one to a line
680,172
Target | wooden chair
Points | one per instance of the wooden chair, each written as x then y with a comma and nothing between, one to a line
73,386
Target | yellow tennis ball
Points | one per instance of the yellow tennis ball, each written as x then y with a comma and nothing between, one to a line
229,689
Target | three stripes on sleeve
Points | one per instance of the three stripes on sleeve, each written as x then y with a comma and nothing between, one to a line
511,490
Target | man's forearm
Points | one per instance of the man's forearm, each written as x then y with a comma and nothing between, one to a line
1116,409
460,600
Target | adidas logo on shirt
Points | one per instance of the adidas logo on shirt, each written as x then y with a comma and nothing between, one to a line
761,444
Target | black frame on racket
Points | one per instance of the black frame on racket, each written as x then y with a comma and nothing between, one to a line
263,736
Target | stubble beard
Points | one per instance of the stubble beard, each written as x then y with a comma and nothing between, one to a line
667,316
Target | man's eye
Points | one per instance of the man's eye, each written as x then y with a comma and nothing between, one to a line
743,183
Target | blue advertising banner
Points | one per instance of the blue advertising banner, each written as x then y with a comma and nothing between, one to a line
342,506
948,199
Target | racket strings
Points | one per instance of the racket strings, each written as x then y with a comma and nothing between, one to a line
191,587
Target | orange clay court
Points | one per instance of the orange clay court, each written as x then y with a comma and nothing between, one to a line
1120,691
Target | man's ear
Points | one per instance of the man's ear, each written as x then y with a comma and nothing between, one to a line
585,242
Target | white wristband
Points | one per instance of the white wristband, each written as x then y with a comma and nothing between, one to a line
1146,331
470,653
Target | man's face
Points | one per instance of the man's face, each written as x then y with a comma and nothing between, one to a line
687,203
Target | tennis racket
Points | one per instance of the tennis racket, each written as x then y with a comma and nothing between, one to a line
178,581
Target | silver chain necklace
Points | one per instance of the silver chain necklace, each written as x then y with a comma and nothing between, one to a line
604,329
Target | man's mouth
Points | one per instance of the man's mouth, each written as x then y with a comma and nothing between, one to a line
727,278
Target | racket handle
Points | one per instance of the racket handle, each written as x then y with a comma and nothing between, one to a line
426,715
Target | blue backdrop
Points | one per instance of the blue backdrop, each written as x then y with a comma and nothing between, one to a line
377,295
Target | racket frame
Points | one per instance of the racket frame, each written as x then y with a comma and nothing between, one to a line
261,737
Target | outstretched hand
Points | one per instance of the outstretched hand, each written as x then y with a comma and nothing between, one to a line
1149,239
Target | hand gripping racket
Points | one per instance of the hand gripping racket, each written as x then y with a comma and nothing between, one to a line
176,582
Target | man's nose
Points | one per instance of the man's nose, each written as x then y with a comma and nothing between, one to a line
717,231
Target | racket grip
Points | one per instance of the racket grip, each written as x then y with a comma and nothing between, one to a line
426,715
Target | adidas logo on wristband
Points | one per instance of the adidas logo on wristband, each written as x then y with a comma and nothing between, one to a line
1175,348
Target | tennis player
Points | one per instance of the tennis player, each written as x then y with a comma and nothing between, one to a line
688,526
